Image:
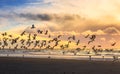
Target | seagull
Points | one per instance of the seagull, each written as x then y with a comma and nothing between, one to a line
99,45
22,41
73,37
29,36
56,43
78,42
10,35
33,26
23,33
92,38
67,45
62,46
69,38
59,36
113,44
84,47
39,31
55,39
46,32
69,41
48,47
16,46
89,42
34,37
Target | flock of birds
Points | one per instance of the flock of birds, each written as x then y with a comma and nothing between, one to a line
32,42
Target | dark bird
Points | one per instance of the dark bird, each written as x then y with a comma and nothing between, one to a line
5,42
55,39
23,33
94,49
50,41
92,38
62,46
69,38
78,42
84,47
22,41
36,43
4,34
29,36
66,45
10,35
113,44
59,36
46,32
16,46
99,45
34,37
56,43
78,49
73,37
69,41
89,42
39,31
33,26
48,47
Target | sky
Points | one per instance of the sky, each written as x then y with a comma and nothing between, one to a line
100,17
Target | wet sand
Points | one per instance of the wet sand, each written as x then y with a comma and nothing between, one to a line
12,65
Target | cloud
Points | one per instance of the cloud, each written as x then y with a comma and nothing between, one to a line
68,15
42,17
63,22
98,32
106,31
112,31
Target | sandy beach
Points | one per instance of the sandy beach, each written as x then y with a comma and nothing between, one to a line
12,65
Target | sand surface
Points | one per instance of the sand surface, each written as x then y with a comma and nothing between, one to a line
12,65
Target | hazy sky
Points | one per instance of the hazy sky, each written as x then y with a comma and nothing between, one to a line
88,14
101,17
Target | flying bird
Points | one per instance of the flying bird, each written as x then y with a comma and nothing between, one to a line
73,37
34,37
10,35
99,45
39,31
69,38
113,44
59,36
4,34
92,38
33,26
46,32
23,33
78,42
